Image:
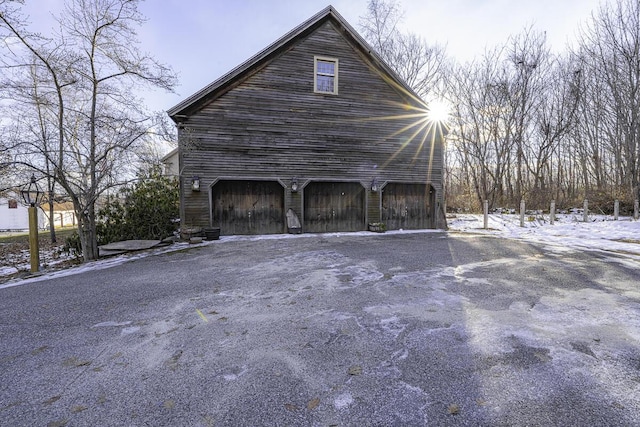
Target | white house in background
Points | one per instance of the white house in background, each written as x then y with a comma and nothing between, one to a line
14,216
170,163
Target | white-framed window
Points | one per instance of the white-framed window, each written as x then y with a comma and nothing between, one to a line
325,75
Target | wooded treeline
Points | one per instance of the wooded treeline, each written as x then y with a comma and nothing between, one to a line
528,123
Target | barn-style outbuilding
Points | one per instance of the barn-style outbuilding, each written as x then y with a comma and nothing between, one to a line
315,125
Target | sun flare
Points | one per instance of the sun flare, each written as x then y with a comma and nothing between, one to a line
438,111
425,125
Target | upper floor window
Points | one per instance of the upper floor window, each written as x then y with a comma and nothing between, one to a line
325,75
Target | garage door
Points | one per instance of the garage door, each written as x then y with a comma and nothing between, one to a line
248,207
333,206
407,206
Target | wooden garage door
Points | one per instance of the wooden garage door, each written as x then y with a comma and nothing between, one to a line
407,206
333,206
248,207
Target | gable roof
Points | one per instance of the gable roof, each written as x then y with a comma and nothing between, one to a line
169,155
227,81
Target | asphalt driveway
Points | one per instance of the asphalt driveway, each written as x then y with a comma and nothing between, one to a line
334,330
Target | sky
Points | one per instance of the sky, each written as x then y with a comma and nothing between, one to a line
204,39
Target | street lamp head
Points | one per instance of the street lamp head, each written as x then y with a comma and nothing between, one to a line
32,194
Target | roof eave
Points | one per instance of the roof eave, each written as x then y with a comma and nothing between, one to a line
249,63
184,108
169,155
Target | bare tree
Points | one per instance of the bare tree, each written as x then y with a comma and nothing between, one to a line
512,109
589,143
610,46
419,64
528,58
554,119
530,124
482,125
91,69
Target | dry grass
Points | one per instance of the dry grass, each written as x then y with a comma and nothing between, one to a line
15,257
636,241
23,236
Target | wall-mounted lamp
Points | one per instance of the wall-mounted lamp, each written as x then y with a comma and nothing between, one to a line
195,183
294,185
374,185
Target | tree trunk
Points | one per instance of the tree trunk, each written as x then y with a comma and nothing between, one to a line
52,226
87,231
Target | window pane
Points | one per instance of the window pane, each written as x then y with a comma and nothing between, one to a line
325,67
325,84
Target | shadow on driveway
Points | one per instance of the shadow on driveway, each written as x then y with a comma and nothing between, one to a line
345,330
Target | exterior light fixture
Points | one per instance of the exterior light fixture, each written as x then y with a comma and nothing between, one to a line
294,185
32,194
32,197
374,185
195,183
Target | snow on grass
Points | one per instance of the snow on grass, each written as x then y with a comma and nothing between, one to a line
568,233
100,264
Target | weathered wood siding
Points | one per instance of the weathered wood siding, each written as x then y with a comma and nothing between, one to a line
272,125
407,206
248,207
373,206
334,206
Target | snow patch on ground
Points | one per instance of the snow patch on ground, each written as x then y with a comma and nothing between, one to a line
568,233
343,401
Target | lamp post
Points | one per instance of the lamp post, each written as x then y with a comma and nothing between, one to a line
32,197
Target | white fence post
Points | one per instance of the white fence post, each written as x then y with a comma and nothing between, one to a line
585,214
486,214
552,212
616,209
522,213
